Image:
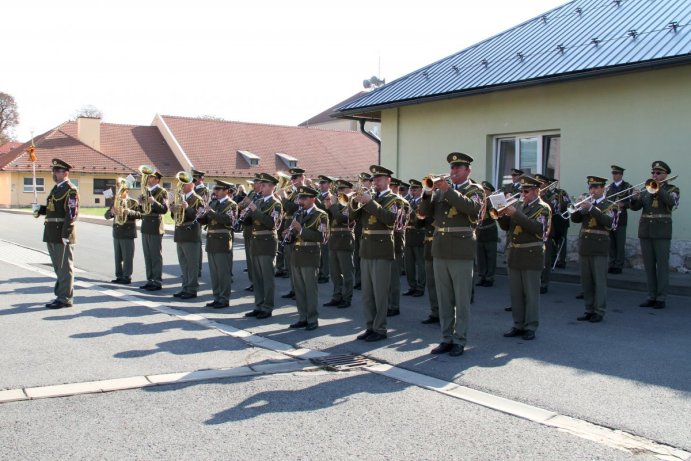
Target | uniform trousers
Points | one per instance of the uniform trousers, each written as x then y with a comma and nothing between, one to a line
64,269
376,278
341,270
124,256
550,254
264,282
395,284
594,283
306,292
357,275
415,267
152,244
287,257
220,276
431,288
454,278
324,262
617,247
656,261
487,260
247,240
188,257
525,298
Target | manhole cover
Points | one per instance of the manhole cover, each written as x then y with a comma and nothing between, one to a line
343,362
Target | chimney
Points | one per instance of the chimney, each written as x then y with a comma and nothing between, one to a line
89,131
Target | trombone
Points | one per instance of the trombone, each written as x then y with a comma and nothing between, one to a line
495,213
650,185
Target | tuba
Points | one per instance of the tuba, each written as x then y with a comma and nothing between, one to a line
178,211
120,201
145,171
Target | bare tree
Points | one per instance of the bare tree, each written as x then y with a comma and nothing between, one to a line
9,117
89,112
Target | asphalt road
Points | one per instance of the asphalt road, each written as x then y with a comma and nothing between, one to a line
632,372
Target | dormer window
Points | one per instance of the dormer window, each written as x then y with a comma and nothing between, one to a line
249,157
291,162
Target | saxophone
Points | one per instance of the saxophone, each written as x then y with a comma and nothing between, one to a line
120,201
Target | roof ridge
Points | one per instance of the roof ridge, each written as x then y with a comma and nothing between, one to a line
95,150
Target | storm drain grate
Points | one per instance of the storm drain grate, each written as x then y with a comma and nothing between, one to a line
343,362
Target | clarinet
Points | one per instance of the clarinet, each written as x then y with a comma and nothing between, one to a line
290,234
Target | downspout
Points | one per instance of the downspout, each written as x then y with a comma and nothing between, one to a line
372,137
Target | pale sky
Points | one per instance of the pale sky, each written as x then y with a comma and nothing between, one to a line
263,61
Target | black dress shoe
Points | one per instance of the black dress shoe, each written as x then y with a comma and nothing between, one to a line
263,315
543,290
393,312
51,303
513,332
507,309
595,318
528,335
481,283
311,326
362,336
343,304
586,316
249,288
178,294
323,280
488,283
648,303
357,286
146,286
221,305
659,305
288,295
456,350
211,304
418,293
580,296
188,295
154,288
253,313
375,337
441,348
300,324
124,281
409,293
59,305
430,320
116,281
333,302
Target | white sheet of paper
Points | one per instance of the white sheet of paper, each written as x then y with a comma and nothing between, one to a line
108,193
498,200
130,180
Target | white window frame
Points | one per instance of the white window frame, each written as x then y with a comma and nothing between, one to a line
29,188
517,137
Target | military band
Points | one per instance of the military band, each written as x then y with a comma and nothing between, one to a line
617,237
415,244
124,214
188,235
403,210
153,205
340,246
487,240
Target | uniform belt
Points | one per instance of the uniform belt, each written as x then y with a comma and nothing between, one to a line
527,245
376,232
445,230
187,223
595,231
218,231
656,216
264,232
55,219
341,229
307,244
429,239
487,226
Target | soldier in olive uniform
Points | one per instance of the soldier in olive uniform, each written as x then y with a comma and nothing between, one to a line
188,237
559,201
289,202
325,183
365,181
428,225
341,239
528,224
487,236
598,216
403,208
548,195
219,217
266,213
59,232
655,231
618,192
455,209
378,214
414,245
245,220
201,190
310,227
156,200
124,218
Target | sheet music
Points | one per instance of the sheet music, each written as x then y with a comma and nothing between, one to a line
498,200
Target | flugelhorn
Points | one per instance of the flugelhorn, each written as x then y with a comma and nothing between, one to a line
429,180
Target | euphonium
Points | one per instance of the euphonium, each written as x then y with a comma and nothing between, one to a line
283,181
120,201
178,197
145,171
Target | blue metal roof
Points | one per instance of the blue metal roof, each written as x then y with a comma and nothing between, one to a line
580,38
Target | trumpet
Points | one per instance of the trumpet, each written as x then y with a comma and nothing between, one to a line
574,207
178,197
429,180
348,200
495,213
145,171
120,201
